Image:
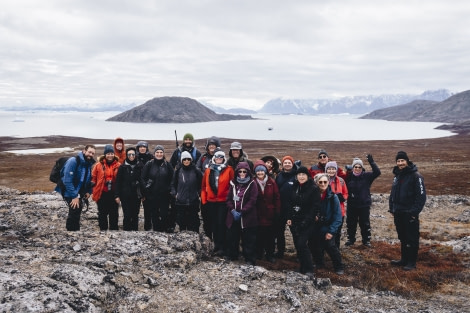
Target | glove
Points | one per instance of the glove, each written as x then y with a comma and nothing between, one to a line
236,215
348,167
370,159
340,197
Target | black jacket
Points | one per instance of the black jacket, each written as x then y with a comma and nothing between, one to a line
305,203
186,185
128,181
157,176
285,183
359,187
408,192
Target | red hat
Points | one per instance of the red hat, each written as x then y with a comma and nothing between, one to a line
287,157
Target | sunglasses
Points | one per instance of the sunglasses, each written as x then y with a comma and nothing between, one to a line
322,182
322,156
242,171
219,156
186,159
131,154
357,166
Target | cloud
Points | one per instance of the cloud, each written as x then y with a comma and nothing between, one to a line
67,52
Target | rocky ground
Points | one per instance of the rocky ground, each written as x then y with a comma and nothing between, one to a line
46,269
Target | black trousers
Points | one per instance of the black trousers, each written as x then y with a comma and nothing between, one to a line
408,234
187,217
73,218
265,241
218,214
280,236
147,204
361,215
108,213
160,209
130,210
320,245
248,239
301,237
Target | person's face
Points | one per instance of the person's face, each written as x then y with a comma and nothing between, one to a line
269,164
331,171
211,148
131,155
89,153
302,177
323,159
322,183
186,161
119,145
109,156
235,153
260,175
287,165
219,159
188,142
242,173
142,149
402,163
159,154
357,169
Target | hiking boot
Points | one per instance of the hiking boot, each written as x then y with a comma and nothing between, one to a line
398,262
349,243
367,244
339,271
409,267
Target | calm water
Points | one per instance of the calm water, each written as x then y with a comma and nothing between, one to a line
268,127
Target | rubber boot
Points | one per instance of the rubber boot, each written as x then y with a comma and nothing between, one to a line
404,260
412,253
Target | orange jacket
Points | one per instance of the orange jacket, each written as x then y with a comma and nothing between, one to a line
207,195
339,186
120,154
101,173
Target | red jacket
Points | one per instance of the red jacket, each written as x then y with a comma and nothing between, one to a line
207,194
339,186
268,204
101,173
120,154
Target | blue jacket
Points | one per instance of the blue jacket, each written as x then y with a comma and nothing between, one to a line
330,217
76,179
408,192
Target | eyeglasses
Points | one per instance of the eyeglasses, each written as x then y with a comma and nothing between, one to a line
131,154
322,182
242,171
187,159
322,156
358,167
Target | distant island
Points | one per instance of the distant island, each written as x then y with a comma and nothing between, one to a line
173,110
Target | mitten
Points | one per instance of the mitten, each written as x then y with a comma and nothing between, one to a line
370,159
236,215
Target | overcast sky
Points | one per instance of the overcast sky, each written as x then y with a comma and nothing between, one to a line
229,53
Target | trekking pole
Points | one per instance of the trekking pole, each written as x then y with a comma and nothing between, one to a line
176,138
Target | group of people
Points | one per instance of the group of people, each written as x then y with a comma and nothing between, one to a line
243,203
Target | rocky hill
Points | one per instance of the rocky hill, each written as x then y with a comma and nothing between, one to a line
173,110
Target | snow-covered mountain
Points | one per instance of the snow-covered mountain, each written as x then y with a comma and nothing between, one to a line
351,105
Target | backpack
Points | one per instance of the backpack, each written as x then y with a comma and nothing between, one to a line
193,154
55,172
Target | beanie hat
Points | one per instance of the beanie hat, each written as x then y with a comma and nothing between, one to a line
219,153
287,157
186,155
142,144
236,145
357,161
159,147
302,169
402,155
331,164
108,149
322,152
261,168
188,136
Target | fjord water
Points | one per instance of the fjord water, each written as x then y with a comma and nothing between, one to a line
265,127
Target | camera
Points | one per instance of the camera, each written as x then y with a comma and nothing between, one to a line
109,184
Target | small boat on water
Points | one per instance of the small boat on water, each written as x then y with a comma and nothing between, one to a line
270,128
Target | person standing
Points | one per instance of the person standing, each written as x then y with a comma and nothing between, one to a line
119,149
358,182
285,183
268,207
185,190
156,176
76,179
187,145
272,164
242,218
320,167
407,199
338,187
326,228
103,178
128,190
143,156
212,144
304,210
214,191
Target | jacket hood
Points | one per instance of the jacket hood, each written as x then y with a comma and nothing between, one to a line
118,139
212,140
102,157
142,144
243,165
275,160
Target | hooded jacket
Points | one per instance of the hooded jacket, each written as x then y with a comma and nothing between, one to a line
129,181
330,218
242,198
221,173
359,186
120,154
285,183
76,179
304,203
157,175
408,192
101,173
186,185
268,204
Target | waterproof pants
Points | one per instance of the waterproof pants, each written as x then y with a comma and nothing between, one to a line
218,213
130,210
265,241
73,218
248,238
108,213
187,217
301,237
361,215
408,233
